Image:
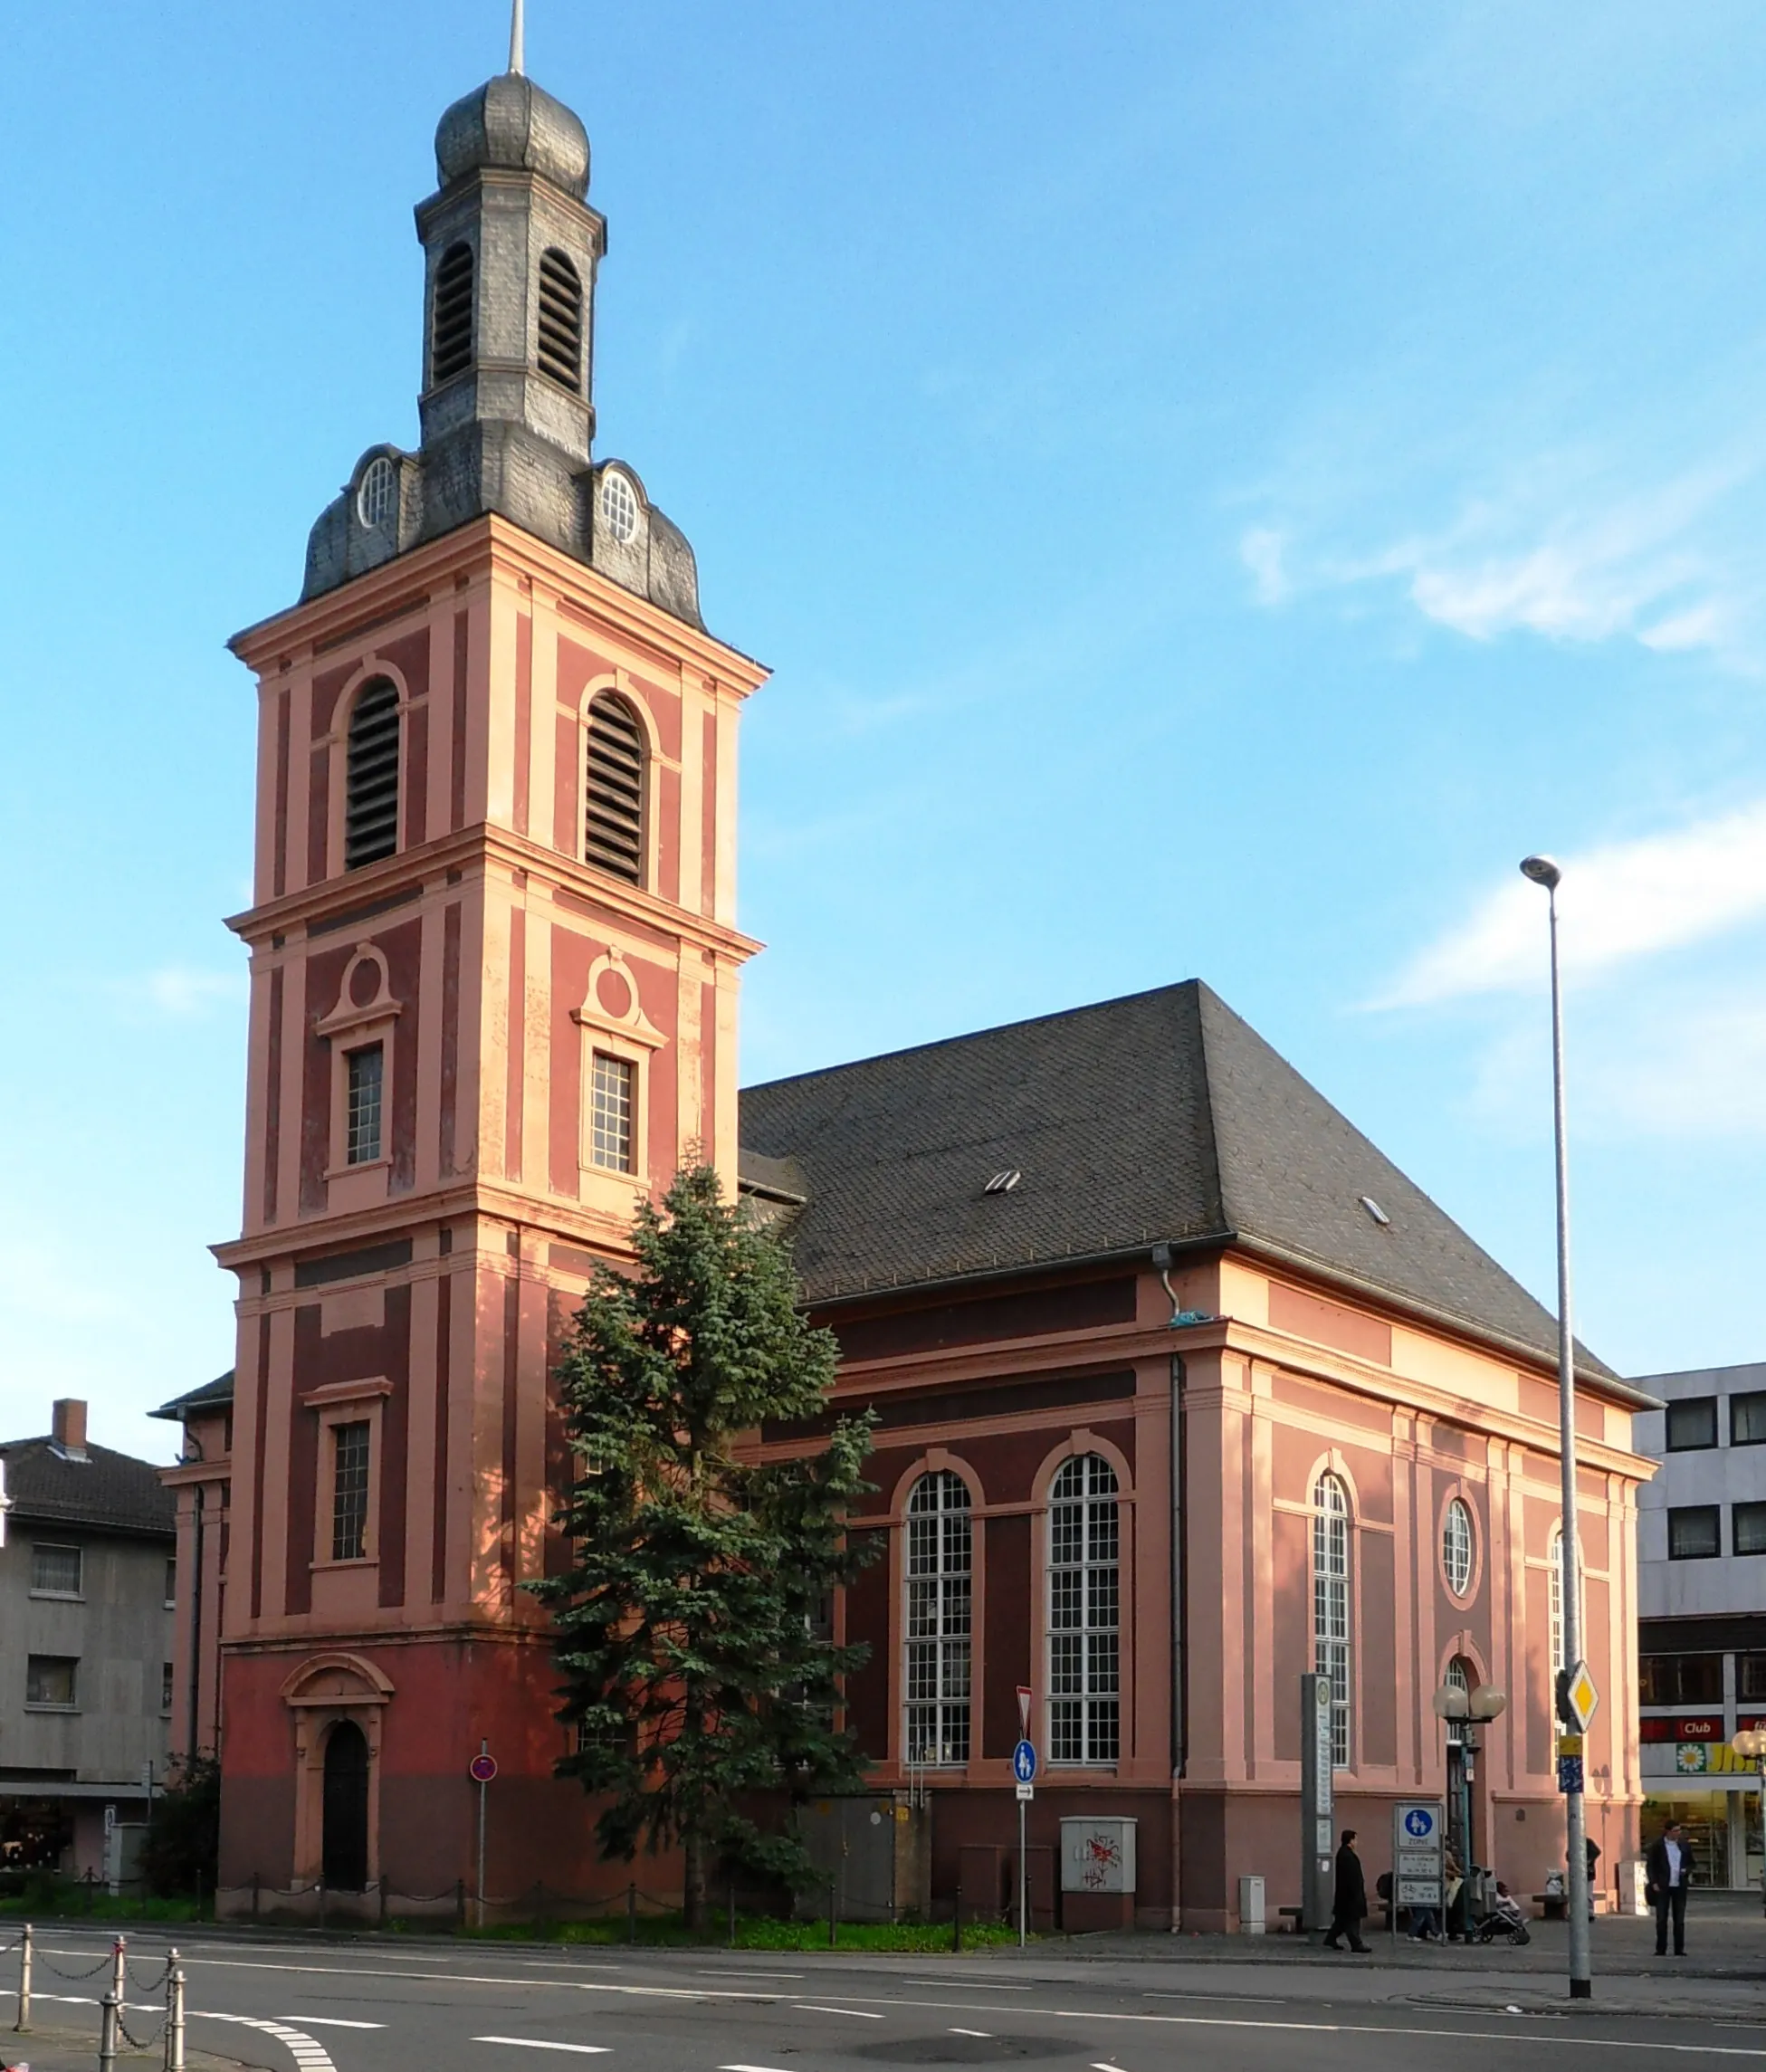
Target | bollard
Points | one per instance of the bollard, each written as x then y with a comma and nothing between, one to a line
834,1932
112,2005
732,1914
321,1904
460,1903
957,1922
175,2015
254,1896
199,1893
23,2022
631,1913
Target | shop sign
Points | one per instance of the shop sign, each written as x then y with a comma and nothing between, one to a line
1689,1726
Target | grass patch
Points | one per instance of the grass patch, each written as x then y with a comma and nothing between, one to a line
73,1900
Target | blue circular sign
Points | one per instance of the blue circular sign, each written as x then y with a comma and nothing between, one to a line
1023,1763
1419,1822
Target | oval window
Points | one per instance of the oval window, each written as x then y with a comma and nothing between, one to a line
1456,1547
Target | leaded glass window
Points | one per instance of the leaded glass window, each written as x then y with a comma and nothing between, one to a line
938,1619
1330,1605
1084,1614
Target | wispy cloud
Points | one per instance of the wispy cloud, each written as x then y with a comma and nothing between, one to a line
1622,901
1559,545
181,992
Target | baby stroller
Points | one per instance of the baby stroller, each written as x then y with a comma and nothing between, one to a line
1505,1920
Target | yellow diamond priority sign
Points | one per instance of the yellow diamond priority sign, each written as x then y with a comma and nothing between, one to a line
1580,1696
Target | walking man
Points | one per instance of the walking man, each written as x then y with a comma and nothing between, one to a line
1667,1872
1349,1898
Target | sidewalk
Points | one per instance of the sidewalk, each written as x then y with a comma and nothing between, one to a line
63,2050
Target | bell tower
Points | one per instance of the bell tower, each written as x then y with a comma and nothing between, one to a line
494,968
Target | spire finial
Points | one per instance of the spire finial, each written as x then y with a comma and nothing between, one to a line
518,62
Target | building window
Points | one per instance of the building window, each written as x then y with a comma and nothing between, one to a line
370,781
1747,1529
610,1119
560,322
1330,1605
1750,1677
1456,1547
613,790
171,1585
938,1619
56,1571
1084,1671
619,507
377,498
1686,1679
165,1687
451,323
1695,1532
1692,1425
366,1071
1747,1420
350,1490
51,1680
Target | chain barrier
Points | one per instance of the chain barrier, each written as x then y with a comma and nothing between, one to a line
134,2041
103,1964
158,1979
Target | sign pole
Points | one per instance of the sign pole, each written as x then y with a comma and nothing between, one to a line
1023,1768
1317,1840
484,1770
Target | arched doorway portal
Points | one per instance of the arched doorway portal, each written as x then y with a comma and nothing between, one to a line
345,1851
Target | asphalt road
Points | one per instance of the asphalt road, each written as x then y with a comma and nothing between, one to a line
334,2007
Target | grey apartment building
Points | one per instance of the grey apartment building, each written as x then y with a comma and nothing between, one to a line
87,1584
1702,1613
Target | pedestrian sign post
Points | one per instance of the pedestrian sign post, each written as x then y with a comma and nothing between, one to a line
1023,1768
1420,1835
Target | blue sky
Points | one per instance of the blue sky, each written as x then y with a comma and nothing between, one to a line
1216,487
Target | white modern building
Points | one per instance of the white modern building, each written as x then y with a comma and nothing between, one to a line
1702,1613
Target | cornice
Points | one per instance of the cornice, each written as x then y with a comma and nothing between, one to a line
487,545
410,872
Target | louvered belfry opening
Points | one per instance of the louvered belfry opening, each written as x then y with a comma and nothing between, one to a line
612,818
451,329
560,322
370,814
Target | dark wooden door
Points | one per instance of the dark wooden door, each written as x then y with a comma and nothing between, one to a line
345,1809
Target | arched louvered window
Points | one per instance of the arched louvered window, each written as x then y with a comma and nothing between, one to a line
938,1585
613,790
560,322
370,807
451,323
1084,1614
1330,1605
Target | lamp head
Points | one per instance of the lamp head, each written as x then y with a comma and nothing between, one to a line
1488,1703
1451,1703
1542,871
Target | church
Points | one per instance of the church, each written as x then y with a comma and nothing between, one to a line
1183,1389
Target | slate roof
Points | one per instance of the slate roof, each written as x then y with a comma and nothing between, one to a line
1161,1117
109,1492
212,1396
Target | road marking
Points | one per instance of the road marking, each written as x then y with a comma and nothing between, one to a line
984,1985
329,2021
1375,2028
534,2043
742,1972
748,2069
309,2055
971,2033
857,2013
1241,2000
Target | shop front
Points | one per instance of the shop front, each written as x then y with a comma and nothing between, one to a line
1691,1774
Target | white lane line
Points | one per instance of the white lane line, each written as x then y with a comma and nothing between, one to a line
1375,2028
308,2054
971,2033
982,1985
329,2021
742,1972
857,2013
534,2043
748,2069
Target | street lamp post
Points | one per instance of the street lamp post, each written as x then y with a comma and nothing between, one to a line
1543,871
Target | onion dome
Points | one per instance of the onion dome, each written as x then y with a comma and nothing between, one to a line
511,123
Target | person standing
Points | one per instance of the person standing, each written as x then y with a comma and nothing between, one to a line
1667,1872
1593,1855
1349,1898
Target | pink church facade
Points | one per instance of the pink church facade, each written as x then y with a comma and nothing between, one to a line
496,966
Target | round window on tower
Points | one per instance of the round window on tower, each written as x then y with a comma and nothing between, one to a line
619,507
1458,1548
378,496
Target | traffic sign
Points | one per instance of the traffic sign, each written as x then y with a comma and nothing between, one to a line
1577,1697
1419,1823
481,1769
1569,1773
1023,1763
1026,1792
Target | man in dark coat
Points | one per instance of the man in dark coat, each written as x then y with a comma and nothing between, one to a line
1349,1898
1667,1872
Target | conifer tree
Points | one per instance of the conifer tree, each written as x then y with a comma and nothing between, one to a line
698,1673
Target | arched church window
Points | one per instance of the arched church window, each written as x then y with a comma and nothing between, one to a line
1084,1614
938,1612
560,322
1330,1605
451,321
370,812
613,790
